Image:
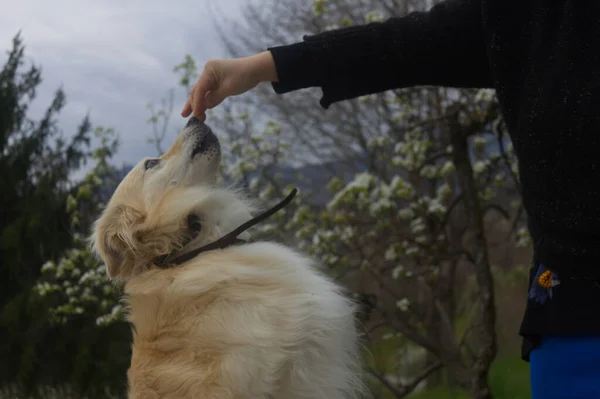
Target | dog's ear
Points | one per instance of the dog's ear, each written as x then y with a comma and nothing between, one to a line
114,239
111,250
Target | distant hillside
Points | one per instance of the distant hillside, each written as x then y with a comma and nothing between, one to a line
312,178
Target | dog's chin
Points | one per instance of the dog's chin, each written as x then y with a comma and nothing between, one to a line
200,170
201,176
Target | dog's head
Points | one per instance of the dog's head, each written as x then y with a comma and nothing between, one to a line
167,206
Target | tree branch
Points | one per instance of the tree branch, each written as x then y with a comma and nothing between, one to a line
405,389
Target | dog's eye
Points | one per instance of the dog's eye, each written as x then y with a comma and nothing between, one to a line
150,163
194,223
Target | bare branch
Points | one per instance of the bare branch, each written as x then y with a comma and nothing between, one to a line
497,208
405,389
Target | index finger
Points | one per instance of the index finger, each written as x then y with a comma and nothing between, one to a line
204,85
187,108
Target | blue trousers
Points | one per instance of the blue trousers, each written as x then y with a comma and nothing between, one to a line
566,368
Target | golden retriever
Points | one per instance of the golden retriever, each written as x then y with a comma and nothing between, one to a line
256,320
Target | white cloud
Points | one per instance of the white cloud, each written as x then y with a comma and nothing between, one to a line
112,56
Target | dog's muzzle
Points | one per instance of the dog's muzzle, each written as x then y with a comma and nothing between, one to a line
205,141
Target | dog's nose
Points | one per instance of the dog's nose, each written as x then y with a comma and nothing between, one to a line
193,121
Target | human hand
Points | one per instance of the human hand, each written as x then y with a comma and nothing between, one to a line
223,78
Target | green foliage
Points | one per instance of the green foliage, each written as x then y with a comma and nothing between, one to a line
36,161
75,285
45,218
77,293
319,7
509,379
188,71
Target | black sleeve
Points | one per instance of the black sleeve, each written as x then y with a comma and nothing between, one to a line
440,47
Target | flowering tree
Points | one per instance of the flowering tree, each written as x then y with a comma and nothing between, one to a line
79,297
76,284
433,168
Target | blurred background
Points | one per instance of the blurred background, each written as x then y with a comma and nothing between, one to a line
410,198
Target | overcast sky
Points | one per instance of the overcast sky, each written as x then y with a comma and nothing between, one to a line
112,56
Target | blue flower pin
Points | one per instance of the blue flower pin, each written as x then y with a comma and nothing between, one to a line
541,288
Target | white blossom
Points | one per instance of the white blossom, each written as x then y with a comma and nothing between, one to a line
479,142
403,304
418,225
380,205
447,169
390,254
485,95
406,213
479,167
421,239
523,238
49,265
316,239
411,250
374,16
397,271
444,191
436,207
429,171
379,141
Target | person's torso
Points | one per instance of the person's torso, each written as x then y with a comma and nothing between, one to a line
545,61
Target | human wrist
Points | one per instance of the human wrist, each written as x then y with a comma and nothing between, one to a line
263,66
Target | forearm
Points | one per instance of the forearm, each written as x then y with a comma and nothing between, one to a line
442,47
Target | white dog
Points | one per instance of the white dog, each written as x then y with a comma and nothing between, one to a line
252,320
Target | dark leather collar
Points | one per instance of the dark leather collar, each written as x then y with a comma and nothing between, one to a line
228,239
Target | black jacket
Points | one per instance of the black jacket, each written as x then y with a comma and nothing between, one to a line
543,59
